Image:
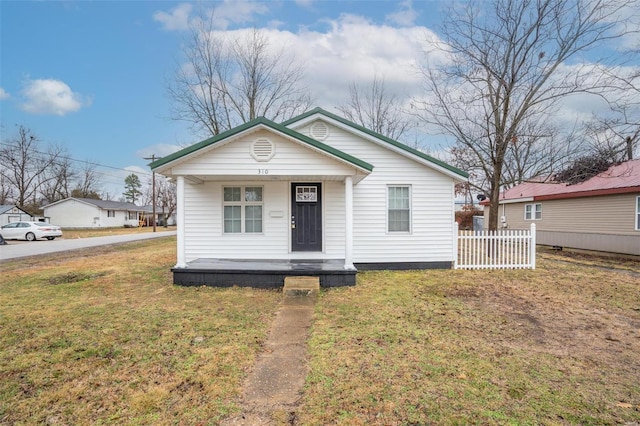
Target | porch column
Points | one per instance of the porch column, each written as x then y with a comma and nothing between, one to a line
348,223
181,263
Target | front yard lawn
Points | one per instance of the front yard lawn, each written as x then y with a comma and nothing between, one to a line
558,345
103,337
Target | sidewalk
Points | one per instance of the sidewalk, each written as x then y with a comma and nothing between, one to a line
274,386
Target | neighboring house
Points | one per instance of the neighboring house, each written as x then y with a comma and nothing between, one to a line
162,218
601,213
11,213
317,190
89,213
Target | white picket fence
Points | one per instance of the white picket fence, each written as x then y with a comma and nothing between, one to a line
502,249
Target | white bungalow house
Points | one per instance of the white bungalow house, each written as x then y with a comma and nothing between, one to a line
315,195
89,213
11,213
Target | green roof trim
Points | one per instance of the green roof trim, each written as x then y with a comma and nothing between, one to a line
378,136
268,123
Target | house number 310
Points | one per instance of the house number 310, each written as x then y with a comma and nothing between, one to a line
263,171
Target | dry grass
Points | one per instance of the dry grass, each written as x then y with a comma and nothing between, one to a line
71,233
105,338
558,345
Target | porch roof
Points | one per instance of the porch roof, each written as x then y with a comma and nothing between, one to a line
260,122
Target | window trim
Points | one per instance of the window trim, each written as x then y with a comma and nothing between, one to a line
111,213
533,213
638,213
243,204
410,230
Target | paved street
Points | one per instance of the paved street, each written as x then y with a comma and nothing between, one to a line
16,249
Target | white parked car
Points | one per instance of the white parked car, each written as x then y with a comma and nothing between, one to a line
30,231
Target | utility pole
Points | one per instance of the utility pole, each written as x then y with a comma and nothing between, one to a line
153,191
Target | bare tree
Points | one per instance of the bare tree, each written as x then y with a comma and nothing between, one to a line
506,71
57,182
373,107
616,136
228,81
26,167
6,190
87,184
167,197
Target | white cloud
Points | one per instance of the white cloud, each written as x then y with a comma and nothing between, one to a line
224,14
50,96
405,16
4,94
351,49
177,19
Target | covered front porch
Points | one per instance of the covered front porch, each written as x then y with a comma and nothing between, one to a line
262,273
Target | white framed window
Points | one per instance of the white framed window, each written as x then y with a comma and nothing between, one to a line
399,208
111,213
533,211
638,213
133,215
242,209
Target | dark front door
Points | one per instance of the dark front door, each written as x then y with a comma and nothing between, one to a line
306,217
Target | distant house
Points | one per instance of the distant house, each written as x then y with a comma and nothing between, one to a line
89,213
11,213
315,195
162,218
601,213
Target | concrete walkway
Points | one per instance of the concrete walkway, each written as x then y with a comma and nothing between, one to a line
17,249
274,386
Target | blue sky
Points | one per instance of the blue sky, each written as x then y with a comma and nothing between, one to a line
90,75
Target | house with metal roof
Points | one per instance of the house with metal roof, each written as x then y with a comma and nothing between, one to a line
601,213
89,213
315,195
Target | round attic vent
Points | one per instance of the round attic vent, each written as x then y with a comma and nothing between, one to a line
319,130
263,149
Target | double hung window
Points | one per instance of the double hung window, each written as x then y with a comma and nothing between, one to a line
242,209
533,211
399,208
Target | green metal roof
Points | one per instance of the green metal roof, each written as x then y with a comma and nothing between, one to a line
377,136
268,123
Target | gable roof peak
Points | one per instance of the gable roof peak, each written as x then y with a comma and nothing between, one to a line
350,124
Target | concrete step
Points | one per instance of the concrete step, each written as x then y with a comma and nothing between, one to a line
301,286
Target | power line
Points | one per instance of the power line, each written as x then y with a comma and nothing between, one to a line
84,161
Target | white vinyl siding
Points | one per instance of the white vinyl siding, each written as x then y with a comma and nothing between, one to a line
432,205
431,216
205,236
399,208
290,159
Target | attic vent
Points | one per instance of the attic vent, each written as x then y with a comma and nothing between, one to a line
263,149
319,131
